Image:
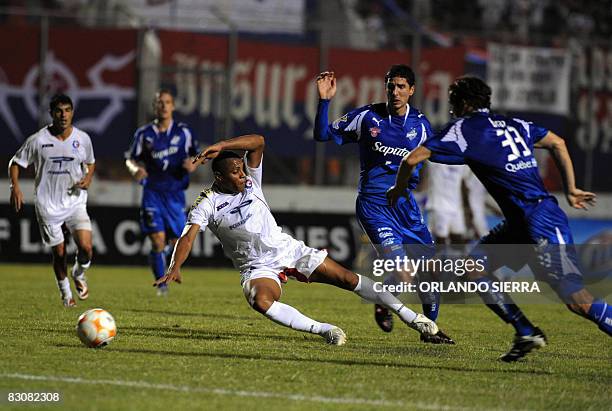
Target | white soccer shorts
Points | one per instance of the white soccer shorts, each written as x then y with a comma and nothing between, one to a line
302,258
51,230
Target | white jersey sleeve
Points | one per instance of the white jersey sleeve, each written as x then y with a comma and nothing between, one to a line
255,173
27,152
89,152
202,210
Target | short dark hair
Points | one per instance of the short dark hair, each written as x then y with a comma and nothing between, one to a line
163,91
58,99
400,70
218,163
471,91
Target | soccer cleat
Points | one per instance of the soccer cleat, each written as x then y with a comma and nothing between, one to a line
81,287
69,302
335,336
424,325
438,338
162,290
524,344
383,318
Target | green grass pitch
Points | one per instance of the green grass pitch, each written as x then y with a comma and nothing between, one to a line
204,348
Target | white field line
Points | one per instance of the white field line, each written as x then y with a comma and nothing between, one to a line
236,393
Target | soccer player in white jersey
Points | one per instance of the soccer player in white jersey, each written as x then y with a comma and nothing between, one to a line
63,161
235,210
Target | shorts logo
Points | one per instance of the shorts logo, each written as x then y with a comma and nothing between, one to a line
219,207
374,131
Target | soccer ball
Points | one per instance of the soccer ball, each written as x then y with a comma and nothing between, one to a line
96,328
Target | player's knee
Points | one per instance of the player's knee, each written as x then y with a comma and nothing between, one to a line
85,253
580,309
261,302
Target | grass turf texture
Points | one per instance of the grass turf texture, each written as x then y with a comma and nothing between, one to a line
204,348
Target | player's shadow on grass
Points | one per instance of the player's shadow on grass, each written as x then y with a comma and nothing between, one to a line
190,333
184,314
365,363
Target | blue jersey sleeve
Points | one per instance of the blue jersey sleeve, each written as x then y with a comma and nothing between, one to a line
533,132
346,129
448,146
135,151
192,145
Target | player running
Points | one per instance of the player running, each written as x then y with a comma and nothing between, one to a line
235,210
63,161
160,159
499,150
385,132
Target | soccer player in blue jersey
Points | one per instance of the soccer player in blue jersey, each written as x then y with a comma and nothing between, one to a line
160,159
499,150
385,132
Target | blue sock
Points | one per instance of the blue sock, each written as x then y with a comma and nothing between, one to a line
431,304
601,314
502,305
158,264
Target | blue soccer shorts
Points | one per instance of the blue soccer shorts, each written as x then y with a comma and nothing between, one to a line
163,211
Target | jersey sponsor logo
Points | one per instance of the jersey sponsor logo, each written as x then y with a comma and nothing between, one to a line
336,123
60,160
239,208
47,145
411,134
385,234
374,131
387,150
521,165
165,152
219,207
241,222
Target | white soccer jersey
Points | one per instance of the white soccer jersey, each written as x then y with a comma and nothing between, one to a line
444,188
244,224
58,166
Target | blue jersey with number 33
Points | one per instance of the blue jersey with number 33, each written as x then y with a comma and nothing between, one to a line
499,150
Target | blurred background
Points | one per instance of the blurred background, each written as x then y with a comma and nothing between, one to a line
242,66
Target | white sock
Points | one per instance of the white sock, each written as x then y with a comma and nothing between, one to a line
365,289
64,287
288,316
78,269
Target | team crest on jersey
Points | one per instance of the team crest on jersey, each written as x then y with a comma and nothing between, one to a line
411,134
374,131
76,144
248,183
336,123
175,140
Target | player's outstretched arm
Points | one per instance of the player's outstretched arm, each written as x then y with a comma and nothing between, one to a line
556,146
326,86
254,144
16,199
179,255
406,169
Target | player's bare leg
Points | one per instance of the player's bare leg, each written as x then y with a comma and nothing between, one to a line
263,295
157,259
60,268
82,262
330,272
